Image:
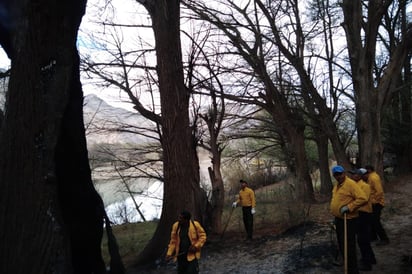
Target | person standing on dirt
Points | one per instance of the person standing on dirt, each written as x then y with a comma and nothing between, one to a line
248,203
364,223
186,240
378,203
347,198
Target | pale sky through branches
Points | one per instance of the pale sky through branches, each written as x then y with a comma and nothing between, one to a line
99,40
125,12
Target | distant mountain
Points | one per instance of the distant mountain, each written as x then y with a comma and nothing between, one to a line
107,124
111,125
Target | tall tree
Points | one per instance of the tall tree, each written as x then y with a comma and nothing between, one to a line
165,81
180,160
50,213
203,80
214,119
398,118
278,79
362,21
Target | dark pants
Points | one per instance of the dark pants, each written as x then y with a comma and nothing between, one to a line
186,267
364,243
377,228
248,220
352,227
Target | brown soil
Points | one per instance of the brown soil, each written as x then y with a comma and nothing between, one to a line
310,247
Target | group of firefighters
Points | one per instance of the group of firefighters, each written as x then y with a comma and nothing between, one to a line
357,202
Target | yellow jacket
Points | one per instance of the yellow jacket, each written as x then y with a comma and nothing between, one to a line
197,236
348,193
367,189
246,197
377,196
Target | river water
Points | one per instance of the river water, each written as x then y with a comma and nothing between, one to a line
120,207
148,194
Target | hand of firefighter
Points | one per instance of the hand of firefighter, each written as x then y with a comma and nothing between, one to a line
344,209
253,211
234,205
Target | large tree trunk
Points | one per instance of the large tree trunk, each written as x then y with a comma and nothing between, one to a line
180,162
405,152
292,129
402,109
371,100
368,107
82,207
51,216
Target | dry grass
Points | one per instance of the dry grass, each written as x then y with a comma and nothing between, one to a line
131,239
278,211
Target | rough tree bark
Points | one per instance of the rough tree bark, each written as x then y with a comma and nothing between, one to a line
215,175
180,161
361,24
51,215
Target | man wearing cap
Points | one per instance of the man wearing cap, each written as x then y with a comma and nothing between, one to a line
247,201
364,223
347,198
378,203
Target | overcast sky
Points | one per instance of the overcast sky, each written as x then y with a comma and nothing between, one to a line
128,12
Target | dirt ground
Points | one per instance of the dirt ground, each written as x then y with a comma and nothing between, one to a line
311,247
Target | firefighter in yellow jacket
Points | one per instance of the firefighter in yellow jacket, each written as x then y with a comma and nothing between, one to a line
364,223
247,201
378,203
347,198
186,240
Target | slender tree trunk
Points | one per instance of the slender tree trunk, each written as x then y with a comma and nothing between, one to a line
218,192
214,209
325,179
303,185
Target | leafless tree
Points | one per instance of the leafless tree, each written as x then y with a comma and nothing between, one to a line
264,47
374,82
171,116
51,215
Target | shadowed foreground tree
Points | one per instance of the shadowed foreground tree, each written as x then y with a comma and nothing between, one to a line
50,214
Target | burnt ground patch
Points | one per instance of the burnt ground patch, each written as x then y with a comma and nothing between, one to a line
309,248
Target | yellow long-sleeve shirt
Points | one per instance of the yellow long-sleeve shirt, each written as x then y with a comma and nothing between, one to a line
349,194
246,197
377,196
197,236
367,189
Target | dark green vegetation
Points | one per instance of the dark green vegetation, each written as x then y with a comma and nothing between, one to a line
131,238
